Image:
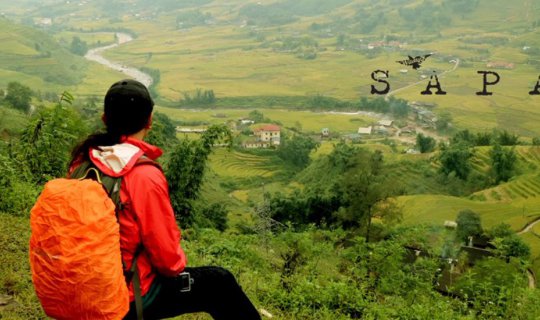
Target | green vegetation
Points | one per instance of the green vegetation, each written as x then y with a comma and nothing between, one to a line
322,227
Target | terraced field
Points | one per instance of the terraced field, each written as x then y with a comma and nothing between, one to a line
241,165
524,186
435,209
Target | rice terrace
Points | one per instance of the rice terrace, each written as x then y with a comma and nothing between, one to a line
343,159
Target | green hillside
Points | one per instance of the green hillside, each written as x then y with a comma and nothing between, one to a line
33,57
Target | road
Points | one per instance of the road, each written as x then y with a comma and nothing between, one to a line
122,38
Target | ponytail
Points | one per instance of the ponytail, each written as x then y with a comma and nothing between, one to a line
82,151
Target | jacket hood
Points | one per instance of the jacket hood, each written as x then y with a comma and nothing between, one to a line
117,160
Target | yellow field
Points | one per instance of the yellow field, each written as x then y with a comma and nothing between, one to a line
310,121
435,209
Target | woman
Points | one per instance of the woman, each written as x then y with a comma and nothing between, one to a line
150,238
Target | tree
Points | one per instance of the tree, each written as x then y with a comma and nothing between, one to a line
502,163
469,225
513,246
163,133
454,158
296,150
185,170
366,192
19,96
425,143
505,138
256,116
78,46
46,143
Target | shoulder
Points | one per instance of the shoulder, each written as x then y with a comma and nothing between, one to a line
145,175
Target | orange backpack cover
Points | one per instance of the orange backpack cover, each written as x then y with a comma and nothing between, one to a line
75,252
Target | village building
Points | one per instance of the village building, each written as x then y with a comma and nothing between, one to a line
365,131
385,123
325,132
269,133
190,130
408,130
246,121
43,22
266,136
500,65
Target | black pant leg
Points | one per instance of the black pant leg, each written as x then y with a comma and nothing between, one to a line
214,290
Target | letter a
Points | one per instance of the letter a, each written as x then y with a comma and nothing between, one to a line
536,90
486,83
373,89
437,85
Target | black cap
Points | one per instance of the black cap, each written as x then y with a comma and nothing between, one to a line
129,90
127,107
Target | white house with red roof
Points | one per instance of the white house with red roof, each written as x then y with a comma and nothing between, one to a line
266,136
269,133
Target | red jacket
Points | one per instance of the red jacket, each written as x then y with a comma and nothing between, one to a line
147,217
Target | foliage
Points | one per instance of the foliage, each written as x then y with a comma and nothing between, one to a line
468,225
18,196
192,18
185,170
455,159
212,216
505,138
512,246
502,163
19,96
492,287
444,121
303,208
366,192
78,46
397,107
425,144
296,150
163,133
45,144
199,98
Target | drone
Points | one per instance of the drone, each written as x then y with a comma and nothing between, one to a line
414,62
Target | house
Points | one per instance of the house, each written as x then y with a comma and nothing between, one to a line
253,144
43,22
325,132
408,130
366,130
190,130
500,65
450,224
246,121
385,123
269,133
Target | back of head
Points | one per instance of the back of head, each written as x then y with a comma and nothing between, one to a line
127,107
127,110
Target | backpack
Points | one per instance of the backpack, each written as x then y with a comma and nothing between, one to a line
75,257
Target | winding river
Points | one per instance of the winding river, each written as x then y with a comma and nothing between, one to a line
96,56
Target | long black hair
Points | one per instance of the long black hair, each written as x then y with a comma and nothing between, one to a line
127,110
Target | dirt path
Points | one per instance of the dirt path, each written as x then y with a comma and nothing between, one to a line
122,38
532,280
529,226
